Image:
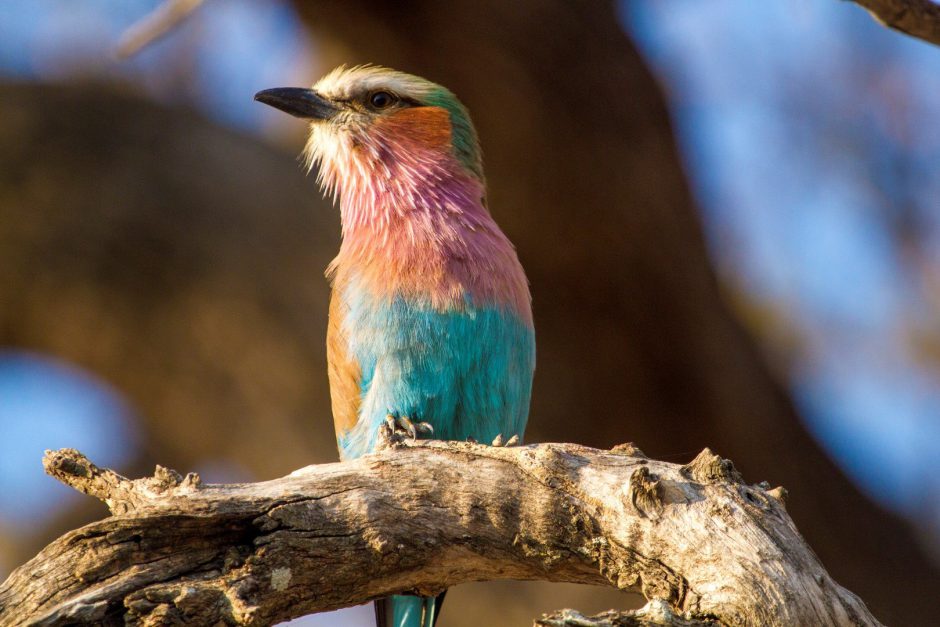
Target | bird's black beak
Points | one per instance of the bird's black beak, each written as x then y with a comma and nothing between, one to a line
299,102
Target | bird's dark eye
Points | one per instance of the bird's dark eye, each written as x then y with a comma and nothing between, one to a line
381,100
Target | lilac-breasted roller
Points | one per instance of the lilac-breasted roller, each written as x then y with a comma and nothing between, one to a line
430,318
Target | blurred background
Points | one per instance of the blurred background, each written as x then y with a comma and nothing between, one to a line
729,212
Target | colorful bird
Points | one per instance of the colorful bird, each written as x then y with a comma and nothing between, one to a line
430,325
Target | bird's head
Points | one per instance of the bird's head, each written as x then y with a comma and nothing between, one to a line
369,123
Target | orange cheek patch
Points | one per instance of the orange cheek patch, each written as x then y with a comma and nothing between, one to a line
426,126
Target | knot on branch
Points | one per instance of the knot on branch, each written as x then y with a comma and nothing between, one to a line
778,494
165,479
645,492
707,467
629,448
120,494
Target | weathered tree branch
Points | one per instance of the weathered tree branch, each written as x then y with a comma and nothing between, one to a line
917,18
704,547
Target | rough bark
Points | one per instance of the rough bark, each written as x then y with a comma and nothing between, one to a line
704,547
917,18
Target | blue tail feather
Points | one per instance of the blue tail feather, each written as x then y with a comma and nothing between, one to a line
408,611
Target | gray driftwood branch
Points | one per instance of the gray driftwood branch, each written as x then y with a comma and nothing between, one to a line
701,545
917,18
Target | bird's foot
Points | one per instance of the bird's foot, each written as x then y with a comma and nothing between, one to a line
404,424
499,441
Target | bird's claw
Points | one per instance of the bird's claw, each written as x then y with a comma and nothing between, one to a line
499,441
411,428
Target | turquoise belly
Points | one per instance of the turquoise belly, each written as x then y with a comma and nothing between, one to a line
466,372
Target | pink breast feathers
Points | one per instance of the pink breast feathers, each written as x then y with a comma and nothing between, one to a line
415,224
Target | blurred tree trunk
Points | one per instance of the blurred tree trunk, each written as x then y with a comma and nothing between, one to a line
585,177
179,261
